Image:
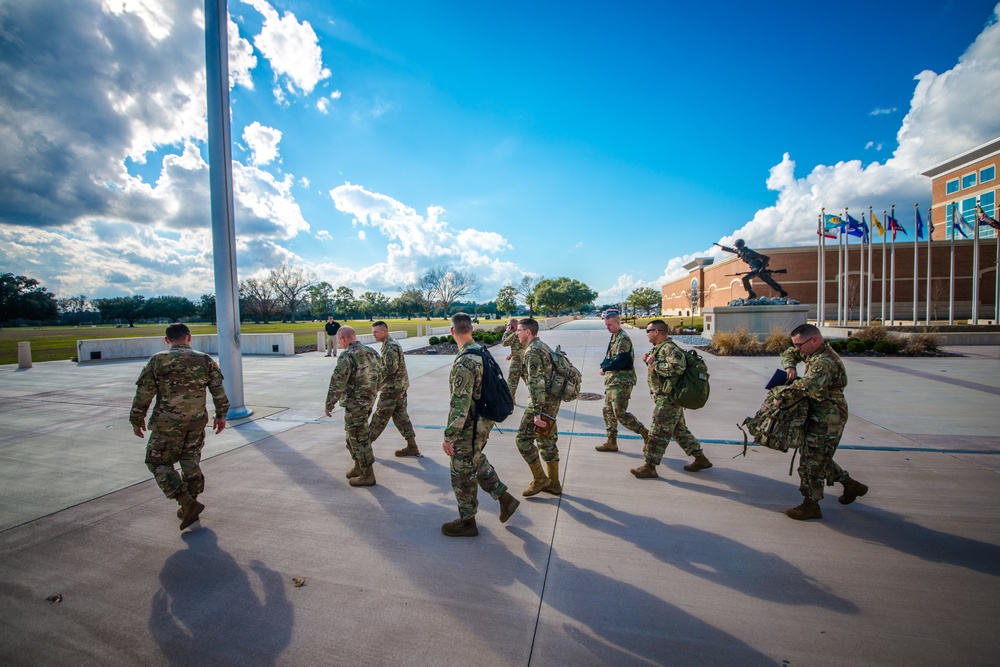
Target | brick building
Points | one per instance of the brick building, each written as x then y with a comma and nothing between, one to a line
958,183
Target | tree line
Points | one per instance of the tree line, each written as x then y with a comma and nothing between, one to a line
289,293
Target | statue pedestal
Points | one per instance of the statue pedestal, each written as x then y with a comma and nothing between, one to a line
759,321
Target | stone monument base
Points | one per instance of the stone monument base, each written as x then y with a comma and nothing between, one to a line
759,321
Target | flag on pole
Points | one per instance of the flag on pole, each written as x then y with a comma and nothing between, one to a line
864,228
854,227
984,219
834,221
920,225
893,224
930,227
826,234
958,223
878,225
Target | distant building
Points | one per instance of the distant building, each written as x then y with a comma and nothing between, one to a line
961,181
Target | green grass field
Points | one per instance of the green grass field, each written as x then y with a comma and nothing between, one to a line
57,343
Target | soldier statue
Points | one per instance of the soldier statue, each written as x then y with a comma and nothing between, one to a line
758,267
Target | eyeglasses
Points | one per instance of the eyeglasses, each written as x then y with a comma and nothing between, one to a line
520,329
652,330
799,345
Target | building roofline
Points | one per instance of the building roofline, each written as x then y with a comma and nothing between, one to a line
991,147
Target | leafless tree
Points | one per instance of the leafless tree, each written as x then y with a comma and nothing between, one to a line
455,285
292,287
525,288
259,298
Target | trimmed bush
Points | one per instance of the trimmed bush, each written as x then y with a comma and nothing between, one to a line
839,345
855,345
433,340
886,347
920,344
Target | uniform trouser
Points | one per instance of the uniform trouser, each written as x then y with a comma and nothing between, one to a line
616,409
526,436
514,375
764,277
166,449
668,422
359,442
470,467
331,345
391,405
816,464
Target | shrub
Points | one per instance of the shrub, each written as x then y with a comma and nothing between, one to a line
777,342
856,345
874,333
434,340
919,344
886,347
734,344
839,345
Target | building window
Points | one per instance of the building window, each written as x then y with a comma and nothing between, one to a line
951,187
987,174
969,181
987,201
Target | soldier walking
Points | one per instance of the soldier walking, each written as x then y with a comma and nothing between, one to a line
354,383
618,369
664,363
516,356
178,378
541,407
465,438
822,384
392,392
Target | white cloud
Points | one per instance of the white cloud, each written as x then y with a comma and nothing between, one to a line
263,142
942,121
882,112
304,182
241,58
292,48
419,242
324,235
361,235
324,102
871,145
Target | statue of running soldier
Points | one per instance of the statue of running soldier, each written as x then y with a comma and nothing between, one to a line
758,267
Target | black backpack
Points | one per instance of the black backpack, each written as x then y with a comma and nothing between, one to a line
494,402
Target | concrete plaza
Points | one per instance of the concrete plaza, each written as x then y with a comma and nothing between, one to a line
687,569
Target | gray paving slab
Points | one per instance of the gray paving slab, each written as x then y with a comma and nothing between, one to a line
685,569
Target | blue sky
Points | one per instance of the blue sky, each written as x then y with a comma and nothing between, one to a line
374,140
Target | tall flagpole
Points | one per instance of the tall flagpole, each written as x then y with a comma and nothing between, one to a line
975,268
885,231
916,283
847,271
892,269
820,236
870,272
220,173
861,273
930,240
951,271
840,278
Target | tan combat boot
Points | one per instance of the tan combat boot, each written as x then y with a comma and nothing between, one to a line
365,478
410,449
610,445
180,508
699,463
645,471
354,472
809,509
190,509
508,505
461,528
554,487
539,482
853,490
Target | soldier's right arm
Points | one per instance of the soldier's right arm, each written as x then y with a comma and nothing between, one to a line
338,380
145,391
463,384
790,358
509,338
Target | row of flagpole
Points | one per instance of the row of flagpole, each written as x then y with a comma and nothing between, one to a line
842,228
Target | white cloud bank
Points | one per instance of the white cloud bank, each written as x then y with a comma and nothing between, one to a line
949,114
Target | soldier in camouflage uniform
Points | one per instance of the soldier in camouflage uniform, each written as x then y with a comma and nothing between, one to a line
516,356
664,363
618,369
392,392
465,437
538,372
178,378
354,383
822,384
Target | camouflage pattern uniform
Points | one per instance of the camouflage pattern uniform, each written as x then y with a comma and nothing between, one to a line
177,378
392,393
822,384
618,388
469,464
538,372
354,383
515,372
668,417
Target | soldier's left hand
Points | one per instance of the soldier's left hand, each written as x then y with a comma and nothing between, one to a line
328,413
140,428
219,424
448,448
